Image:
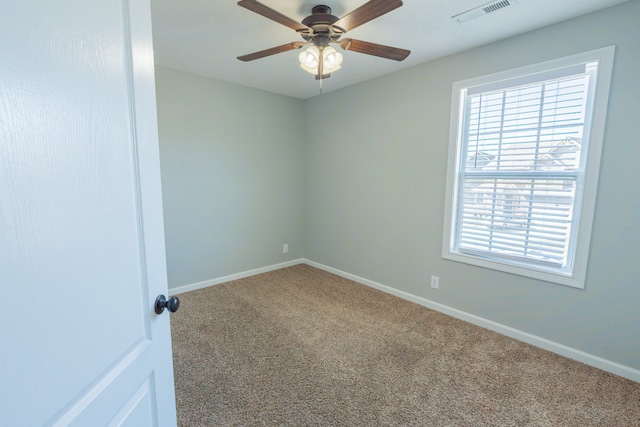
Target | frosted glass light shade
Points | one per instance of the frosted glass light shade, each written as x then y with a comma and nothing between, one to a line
332,60
310,60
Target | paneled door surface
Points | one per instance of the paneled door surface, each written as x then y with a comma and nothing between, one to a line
82,255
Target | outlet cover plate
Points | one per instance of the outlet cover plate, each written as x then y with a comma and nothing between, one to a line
435,282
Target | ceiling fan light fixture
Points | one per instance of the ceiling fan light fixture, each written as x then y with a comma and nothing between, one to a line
310,60
321,29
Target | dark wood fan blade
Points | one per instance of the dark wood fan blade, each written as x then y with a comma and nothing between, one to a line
375,49
267,12
271,51
365,13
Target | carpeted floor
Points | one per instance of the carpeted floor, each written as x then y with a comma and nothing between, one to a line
302,347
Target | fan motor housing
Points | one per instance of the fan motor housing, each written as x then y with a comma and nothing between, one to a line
320,15
320,22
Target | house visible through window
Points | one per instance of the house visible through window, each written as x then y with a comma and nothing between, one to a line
524,158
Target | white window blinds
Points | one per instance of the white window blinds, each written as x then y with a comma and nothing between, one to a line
522,148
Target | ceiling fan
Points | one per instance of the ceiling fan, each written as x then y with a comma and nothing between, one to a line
321,29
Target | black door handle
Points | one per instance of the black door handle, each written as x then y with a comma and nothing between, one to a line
173,303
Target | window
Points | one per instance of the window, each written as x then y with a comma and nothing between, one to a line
523,166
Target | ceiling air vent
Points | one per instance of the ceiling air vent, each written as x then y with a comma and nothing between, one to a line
482,10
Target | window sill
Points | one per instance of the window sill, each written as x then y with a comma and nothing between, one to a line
540,273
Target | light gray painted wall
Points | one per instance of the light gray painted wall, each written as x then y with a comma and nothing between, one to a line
232,176
375,190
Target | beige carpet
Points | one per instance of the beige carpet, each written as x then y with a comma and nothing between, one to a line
302,347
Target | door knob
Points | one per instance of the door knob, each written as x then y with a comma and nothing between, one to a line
173,303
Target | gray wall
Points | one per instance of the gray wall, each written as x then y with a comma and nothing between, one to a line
232,176
239,181
375,191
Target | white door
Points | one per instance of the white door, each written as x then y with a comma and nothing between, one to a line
81,232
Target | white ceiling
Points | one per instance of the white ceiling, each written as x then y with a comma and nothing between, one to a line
204,37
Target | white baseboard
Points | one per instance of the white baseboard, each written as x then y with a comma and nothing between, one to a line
554,347
217,281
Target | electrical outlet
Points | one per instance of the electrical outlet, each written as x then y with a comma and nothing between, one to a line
435,282
285,248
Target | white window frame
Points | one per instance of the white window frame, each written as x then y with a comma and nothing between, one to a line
585,198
